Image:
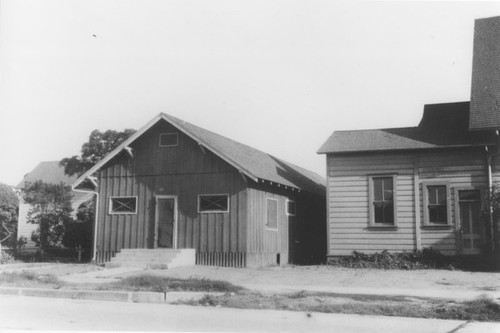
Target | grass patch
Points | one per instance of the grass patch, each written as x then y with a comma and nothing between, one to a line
148,282
482,309
30,278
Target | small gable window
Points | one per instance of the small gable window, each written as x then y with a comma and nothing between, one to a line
169,139
218,203
291,209
272,214
123,205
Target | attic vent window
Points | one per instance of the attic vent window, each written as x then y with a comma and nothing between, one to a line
169,140
213,203
123,205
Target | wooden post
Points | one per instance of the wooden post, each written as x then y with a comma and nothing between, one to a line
80,250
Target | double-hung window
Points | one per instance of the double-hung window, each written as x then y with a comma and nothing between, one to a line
436,204
382,198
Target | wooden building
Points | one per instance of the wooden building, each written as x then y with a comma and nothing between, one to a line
52,173
176,185
428,186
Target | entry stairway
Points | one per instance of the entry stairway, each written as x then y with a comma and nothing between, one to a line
154,258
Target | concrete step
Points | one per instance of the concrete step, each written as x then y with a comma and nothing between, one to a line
154,257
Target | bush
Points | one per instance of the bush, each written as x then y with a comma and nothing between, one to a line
424,259
5,257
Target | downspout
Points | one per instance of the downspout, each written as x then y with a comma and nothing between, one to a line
94,245
489,158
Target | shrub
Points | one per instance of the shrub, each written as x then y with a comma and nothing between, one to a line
5,257
424,259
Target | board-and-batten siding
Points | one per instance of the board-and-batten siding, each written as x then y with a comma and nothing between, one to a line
184,171
265,244
348,202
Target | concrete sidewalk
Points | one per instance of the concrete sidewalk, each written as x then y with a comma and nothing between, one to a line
26,313
459,295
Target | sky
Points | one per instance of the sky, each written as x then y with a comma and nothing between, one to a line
279,76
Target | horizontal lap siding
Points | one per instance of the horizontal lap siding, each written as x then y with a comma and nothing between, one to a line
348,210
25,229
348,204
460,169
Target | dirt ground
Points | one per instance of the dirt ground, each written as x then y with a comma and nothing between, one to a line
319,276
294,277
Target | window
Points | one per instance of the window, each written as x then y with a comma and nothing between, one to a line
218,203
290,208
436,204
169,139
123,205
272,214
382,201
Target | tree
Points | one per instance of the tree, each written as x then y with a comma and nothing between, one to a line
98,146
51,210
78,233
9,204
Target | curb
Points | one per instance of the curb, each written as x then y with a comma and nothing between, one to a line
114,296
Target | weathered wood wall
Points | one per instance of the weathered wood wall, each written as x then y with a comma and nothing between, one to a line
348,203
299,239
265,244
496,185
184,171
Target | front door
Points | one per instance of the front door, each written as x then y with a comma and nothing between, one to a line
166,214
470,217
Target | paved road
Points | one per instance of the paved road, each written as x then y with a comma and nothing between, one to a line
31,313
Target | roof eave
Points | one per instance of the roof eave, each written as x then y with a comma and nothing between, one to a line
141,131
402,149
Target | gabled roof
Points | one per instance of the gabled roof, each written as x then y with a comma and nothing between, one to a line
251,162
485,92
48,172
51,172
442,125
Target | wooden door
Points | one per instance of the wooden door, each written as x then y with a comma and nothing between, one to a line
470,218
166,213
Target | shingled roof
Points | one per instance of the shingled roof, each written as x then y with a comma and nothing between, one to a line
52,173
48,172
442,125
251,162
485,92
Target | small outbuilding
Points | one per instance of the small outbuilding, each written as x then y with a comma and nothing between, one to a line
173,185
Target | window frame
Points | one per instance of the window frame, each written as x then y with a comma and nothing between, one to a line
267,215
288,213
425,203
176,137
212,211
110,202
371,197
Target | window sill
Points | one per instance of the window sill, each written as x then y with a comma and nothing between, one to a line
383,227
436,226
